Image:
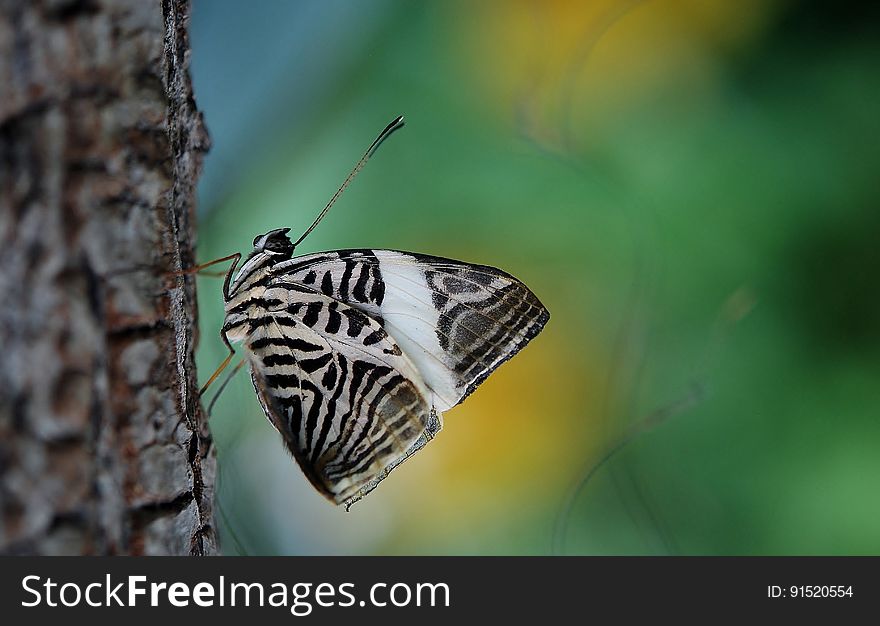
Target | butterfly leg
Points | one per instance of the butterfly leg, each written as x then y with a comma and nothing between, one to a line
202,266
225,382
235,258
212,274
219,391
218,371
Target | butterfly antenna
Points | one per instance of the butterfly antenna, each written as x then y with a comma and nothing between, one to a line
394,125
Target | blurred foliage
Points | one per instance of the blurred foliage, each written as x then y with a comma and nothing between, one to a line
691,189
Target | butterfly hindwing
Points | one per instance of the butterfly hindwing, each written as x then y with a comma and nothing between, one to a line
456,321
347,401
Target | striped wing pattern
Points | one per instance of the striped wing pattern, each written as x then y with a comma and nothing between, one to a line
457,321
355,354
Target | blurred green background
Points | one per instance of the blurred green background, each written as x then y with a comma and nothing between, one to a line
691,188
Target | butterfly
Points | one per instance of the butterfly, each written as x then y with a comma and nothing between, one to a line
355,354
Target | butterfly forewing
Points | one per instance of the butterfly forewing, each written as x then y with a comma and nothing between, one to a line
456,321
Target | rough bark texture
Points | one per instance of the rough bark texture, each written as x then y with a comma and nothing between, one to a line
102,439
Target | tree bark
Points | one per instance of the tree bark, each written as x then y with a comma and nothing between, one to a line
103,443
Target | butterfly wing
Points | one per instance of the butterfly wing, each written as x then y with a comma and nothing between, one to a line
348,402
456,321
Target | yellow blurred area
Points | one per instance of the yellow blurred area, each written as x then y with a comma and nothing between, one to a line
564,67
519,438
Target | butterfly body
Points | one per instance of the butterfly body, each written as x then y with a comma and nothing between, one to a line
355,354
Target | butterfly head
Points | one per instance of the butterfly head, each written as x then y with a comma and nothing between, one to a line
275,243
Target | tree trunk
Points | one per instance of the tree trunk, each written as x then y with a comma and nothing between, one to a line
103,443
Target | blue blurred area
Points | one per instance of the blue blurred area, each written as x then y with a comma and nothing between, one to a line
261,66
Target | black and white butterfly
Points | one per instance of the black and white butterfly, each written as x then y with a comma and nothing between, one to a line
355,354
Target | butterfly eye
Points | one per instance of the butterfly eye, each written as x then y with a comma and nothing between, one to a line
279,246
276,242
256,239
